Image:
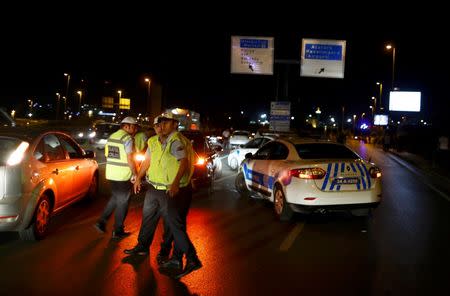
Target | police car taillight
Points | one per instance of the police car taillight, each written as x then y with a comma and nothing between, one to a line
307,173
375,172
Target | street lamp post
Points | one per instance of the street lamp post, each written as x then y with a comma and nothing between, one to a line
148,104
58,98
374,107
389,47
380,96
67,86
118,103
80,93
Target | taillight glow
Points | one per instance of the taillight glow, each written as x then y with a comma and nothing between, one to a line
18,154
200,161
375,172
307,173
139,157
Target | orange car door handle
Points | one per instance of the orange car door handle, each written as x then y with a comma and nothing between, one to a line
77,167
56,171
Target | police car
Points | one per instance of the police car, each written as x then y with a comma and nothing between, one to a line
237,155
301,175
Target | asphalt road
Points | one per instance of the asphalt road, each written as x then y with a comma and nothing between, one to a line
403,249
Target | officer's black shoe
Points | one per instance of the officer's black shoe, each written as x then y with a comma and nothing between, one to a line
172,263
120,234
162,258
191,265
100,227
137,250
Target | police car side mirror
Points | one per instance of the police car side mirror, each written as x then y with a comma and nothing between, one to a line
248,155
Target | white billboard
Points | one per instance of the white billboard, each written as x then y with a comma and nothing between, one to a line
322,58
404,101
252,55
380,119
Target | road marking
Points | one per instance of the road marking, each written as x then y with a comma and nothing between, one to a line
290,239
227,177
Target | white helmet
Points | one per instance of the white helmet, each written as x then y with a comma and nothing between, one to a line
129,120
167,116
156,120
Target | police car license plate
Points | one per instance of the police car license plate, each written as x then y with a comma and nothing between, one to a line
344,181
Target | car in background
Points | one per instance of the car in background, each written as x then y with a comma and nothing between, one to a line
41,173
208,164
304,175
5,118
239,137
102,132
237,155
83,135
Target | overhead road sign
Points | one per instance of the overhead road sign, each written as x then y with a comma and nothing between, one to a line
323,58
252,55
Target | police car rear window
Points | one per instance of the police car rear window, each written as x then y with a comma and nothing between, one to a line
324,151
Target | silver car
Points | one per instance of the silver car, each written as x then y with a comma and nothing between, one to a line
41,172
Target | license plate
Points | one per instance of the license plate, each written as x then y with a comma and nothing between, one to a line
344,181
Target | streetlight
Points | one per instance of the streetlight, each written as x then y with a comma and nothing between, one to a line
67,86
30,104
79,104
58,97
381,94
374,105
149,81
65,104
389,47
118,104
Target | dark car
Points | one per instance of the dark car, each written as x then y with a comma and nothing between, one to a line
208,165
102,132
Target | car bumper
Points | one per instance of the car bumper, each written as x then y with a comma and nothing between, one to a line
13,215
308,195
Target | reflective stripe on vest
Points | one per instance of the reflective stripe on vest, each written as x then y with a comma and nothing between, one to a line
117,168
164,166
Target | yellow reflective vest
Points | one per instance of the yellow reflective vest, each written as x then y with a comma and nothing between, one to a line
164,166
140,142
117,168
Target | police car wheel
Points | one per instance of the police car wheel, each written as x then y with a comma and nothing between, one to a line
282,209
240,185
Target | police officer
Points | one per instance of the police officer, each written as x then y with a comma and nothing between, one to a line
169,167
140,141
121,173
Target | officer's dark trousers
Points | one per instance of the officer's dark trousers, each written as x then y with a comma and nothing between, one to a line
173,210
182,207
120,198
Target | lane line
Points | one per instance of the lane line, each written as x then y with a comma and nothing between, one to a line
227,177
292,236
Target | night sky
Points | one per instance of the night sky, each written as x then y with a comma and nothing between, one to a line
191,59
